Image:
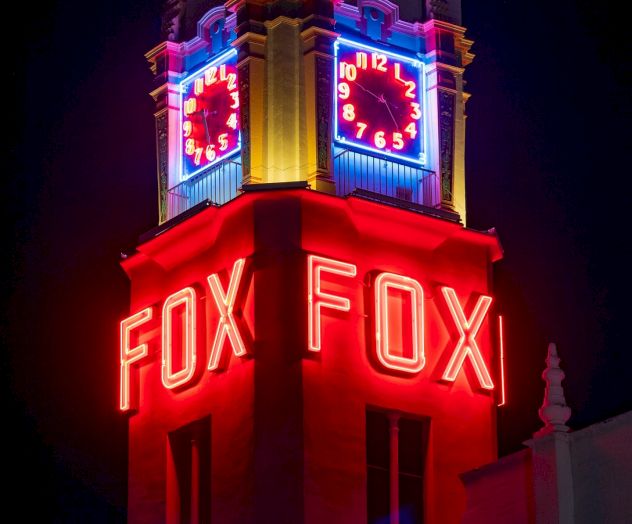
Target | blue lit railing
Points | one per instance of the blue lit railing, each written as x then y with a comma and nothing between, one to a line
353,172
218,185
361,171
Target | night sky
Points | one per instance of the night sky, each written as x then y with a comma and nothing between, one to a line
547,144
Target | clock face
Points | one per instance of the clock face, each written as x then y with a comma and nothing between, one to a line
209,111
379,101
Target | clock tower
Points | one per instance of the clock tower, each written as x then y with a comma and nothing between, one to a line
312,333
397,129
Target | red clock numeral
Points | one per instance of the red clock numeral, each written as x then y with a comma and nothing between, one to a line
398,143
189,106
210,76
232,121
379,139
410,92
361,60
189,146
411,129
210,152
378,61
198,155
232,81
361,127
343,90
223,141
222,73
187,128
397,71
348,112
235,96
348,71
416,114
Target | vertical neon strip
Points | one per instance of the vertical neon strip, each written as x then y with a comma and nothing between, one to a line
225,302
467,346
501,346
130,355
417,361
317,299
186,298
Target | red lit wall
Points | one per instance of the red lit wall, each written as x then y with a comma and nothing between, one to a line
287,424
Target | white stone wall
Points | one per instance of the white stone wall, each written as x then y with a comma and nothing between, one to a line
602,471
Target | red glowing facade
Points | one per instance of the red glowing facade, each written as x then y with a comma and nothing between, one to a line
326,339
312,335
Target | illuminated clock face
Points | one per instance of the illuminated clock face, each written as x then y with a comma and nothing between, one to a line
209,110
379,101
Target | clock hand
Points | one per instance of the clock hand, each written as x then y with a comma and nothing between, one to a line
365,89
204,117
388,107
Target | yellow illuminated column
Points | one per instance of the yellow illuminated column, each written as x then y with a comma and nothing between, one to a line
251,47
284,140
446,111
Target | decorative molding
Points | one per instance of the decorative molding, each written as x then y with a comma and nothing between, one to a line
446,145
462,45
162,157
391,22
271,24
323,111
244,101
215,30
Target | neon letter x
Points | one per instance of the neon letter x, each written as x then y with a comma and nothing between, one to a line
466,346
225,302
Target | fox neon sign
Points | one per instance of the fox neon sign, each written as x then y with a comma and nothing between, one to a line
229,331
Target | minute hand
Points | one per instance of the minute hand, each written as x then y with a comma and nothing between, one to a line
388,107
370,92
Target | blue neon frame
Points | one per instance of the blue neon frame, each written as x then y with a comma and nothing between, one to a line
346,141
222,58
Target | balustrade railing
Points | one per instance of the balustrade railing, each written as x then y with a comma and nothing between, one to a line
218,184
354,170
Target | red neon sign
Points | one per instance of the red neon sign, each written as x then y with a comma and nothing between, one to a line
184,299
467,347
318,299
399,326
501,349
227,326
385,352
130,355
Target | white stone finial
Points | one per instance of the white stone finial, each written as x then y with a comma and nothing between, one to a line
554,411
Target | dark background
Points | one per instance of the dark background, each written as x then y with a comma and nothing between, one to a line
547,144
